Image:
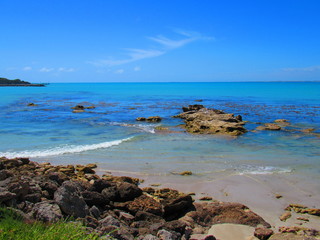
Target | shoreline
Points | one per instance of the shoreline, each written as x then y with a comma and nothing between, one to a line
258,192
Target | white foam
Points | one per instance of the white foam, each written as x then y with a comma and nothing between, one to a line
63,150
264,170
143,127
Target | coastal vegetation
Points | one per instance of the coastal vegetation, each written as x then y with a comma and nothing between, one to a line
17,82
12,226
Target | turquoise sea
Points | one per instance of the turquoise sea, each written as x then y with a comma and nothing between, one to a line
109,135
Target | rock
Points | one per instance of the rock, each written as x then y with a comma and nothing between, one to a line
128,191
141,119
78,111
175,208
12,163
49,186
78,107
58,177
185,173
4,174
46,212
205,198
211,121
278,196
303,219
194,107
166,235
21,188
86,169
207,214
33,197
263,233
94,212
145,203
269,126
110,194
148,237
109,220
69,199
94,198
98,185
285,216
32,105
6,196
281,121
290,236
154,119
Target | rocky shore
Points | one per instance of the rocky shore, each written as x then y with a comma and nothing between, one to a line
199,119
115,206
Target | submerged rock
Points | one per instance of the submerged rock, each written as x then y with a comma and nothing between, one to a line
211,121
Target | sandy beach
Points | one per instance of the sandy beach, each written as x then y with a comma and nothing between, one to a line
258,192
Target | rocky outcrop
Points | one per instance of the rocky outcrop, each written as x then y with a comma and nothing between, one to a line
110,205
199,119
153,119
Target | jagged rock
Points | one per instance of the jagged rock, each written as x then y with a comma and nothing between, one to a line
59,177
167,235
98,185
128,191
290,236
86,169
111,193
6,196
209,213
145,204
21,188
69,198
269,126
210,121
148,237
46,212
141,119
95,212
109,220
4,174
154,119
285,216
177,207
94,198
33,197
194,107
185,173
263,233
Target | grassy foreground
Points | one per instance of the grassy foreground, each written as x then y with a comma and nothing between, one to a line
12,227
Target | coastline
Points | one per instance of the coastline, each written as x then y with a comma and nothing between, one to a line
258,192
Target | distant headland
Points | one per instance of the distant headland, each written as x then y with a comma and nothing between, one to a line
4,82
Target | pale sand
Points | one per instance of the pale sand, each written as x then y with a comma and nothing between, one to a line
258,192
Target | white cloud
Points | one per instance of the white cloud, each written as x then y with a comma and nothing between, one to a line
61,69
166,45
27,68
136,69
304,69
44,69
119,71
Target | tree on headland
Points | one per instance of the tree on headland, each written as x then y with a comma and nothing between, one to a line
14,81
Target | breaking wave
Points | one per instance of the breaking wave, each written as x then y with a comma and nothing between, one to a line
63,149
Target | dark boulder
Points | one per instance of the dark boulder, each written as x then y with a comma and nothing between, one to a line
128,191
69,199
46,211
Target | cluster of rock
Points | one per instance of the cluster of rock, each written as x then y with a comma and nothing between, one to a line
149,119
199,119
109,205
80,108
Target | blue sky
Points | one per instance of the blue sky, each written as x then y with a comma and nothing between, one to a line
140,40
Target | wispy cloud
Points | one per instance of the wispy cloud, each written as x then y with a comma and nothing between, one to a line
27,68
45,69
304,69
119,71
137,69
62,69
165,45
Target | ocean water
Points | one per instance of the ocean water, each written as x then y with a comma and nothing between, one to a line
109,135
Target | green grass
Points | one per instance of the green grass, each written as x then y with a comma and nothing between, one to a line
12,227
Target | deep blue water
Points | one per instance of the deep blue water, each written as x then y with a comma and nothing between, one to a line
110,136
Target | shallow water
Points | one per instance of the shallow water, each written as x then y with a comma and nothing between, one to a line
110,136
